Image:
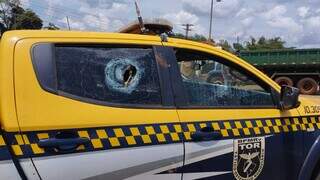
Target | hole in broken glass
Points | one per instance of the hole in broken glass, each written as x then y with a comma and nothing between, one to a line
123,75
128,75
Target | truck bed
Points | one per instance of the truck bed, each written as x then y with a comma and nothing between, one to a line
290,57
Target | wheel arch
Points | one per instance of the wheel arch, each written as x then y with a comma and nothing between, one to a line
311,161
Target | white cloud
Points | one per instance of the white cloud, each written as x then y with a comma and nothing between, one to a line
285,23
104,16
247,21
275,12
313,22
182,17
276,18
227,8
296,21
244,12
199,6
25,3
303,11
74,24
221,9
92,21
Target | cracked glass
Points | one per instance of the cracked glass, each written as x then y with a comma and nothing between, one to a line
115,75
209,83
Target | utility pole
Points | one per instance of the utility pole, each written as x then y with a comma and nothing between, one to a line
211,18
187,28
68,23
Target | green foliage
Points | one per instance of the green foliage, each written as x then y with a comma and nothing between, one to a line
196,37
224,44
27,20
52,26
238,47
264,44
2,28
13,16
178,35
261,43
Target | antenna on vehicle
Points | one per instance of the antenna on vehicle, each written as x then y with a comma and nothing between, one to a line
141,24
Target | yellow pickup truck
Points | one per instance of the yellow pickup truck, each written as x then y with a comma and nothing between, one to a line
86,105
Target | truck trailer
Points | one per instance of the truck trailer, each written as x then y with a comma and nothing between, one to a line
293,67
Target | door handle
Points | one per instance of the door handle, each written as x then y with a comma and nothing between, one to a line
206,134
64,142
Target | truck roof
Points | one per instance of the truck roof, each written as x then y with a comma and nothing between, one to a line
287,57
16,35
281,50
10,38
22,34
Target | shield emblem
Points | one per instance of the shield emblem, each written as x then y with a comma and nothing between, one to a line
248,157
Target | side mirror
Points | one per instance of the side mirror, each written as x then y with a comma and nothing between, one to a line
289,98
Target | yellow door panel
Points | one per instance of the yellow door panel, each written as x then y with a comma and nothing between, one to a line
108,138
310,105
233,114
230,119
41,110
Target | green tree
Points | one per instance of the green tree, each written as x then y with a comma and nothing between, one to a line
251,45
254,44
2,29
198,37
13,16
27,20
264,44
51,26
224,44
237,47
195,37
276,43
178,35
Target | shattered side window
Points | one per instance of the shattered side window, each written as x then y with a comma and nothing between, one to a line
114,75
210,83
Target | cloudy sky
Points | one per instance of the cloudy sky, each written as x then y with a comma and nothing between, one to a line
296,21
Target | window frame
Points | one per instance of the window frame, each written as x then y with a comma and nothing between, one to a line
166,97
184,104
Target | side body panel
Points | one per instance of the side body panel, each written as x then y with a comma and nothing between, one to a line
283,150
11,168
7,107
310,106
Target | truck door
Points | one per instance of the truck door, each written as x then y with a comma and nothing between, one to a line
96,111
232,128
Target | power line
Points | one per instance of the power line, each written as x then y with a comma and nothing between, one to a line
187,29
59,9
64,13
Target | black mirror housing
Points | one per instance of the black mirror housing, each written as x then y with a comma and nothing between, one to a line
289,98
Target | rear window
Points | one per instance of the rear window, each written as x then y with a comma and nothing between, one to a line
122,75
